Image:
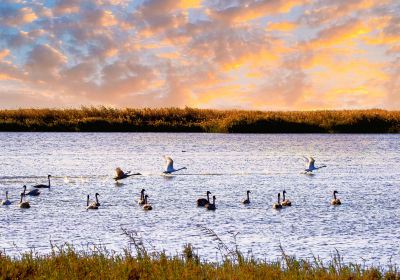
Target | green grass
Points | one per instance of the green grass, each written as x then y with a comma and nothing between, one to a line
65,262
102,119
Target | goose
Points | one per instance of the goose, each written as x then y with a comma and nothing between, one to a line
146,205
119,174
310,165
201,202
41,186
97,199
6,201
286,202
169,166
34,192
211,206
24,204
247,200
278,205
335,200
141,201
91,205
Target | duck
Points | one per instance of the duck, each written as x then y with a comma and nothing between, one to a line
41,186
146,205
91,206
211,206
201,202
285,202
142,201
34,192
119,174
169,166
335,200
6,201
247,200
24,204
278,205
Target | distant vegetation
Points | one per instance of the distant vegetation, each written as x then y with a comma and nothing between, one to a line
102,119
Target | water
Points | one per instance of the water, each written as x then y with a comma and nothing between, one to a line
363,168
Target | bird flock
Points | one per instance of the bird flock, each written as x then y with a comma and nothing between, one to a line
169,168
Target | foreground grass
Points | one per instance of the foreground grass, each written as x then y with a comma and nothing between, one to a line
102,119
67,263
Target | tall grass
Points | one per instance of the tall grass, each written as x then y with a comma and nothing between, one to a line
102,119
67,263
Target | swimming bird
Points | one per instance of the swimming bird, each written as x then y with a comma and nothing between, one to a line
211,206
142,201
169,166
278,205
119,174
201,202
91,205
97,199
310,165
34,192
286,202
6,201
146,205
335,200
41,186
247,200
24,204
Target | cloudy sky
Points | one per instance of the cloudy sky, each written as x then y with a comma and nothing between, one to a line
266,54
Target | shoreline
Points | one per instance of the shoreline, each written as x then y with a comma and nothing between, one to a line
189,120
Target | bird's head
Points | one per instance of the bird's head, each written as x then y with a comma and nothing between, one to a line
143,190
48,176
335,192
208,192
96,194
248,191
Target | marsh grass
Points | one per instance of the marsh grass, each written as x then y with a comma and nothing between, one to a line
136,262
103,119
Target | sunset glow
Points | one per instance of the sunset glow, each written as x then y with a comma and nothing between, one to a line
264,55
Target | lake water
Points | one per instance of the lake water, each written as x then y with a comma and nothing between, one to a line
363,168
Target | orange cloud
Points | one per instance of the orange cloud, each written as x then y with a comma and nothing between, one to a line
284,26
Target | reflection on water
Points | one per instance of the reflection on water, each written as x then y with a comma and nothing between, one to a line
363,168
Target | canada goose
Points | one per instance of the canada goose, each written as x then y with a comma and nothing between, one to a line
91,205
201,202
24,204
146,205
119,174
41,186
278,205
247,200
97,199
169,166
142,201
335,201
310,165
286,202
6,201
211,206
34,192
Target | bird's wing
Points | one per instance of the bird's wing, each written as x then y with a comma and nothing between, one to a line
118,172
311,162
169,163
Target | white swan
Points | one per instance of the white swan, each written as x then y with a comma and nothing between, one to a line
91,205
6,201
119,174
310,165
169,166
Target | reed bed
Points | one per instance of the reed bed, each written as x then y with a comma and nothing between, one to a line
103,119
65,262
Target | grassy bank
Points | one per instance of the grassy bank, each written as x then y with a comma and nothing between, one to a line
67,263
102,119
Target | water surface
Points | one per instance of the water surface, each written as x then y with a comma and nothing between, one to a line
363,168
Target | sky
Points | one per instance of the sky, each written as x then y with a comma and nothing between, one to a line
258,55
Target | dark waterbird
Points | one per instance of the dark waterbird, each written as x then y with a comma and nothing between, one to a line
34,192
42,186
201,202
247,200
119,174
211,206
